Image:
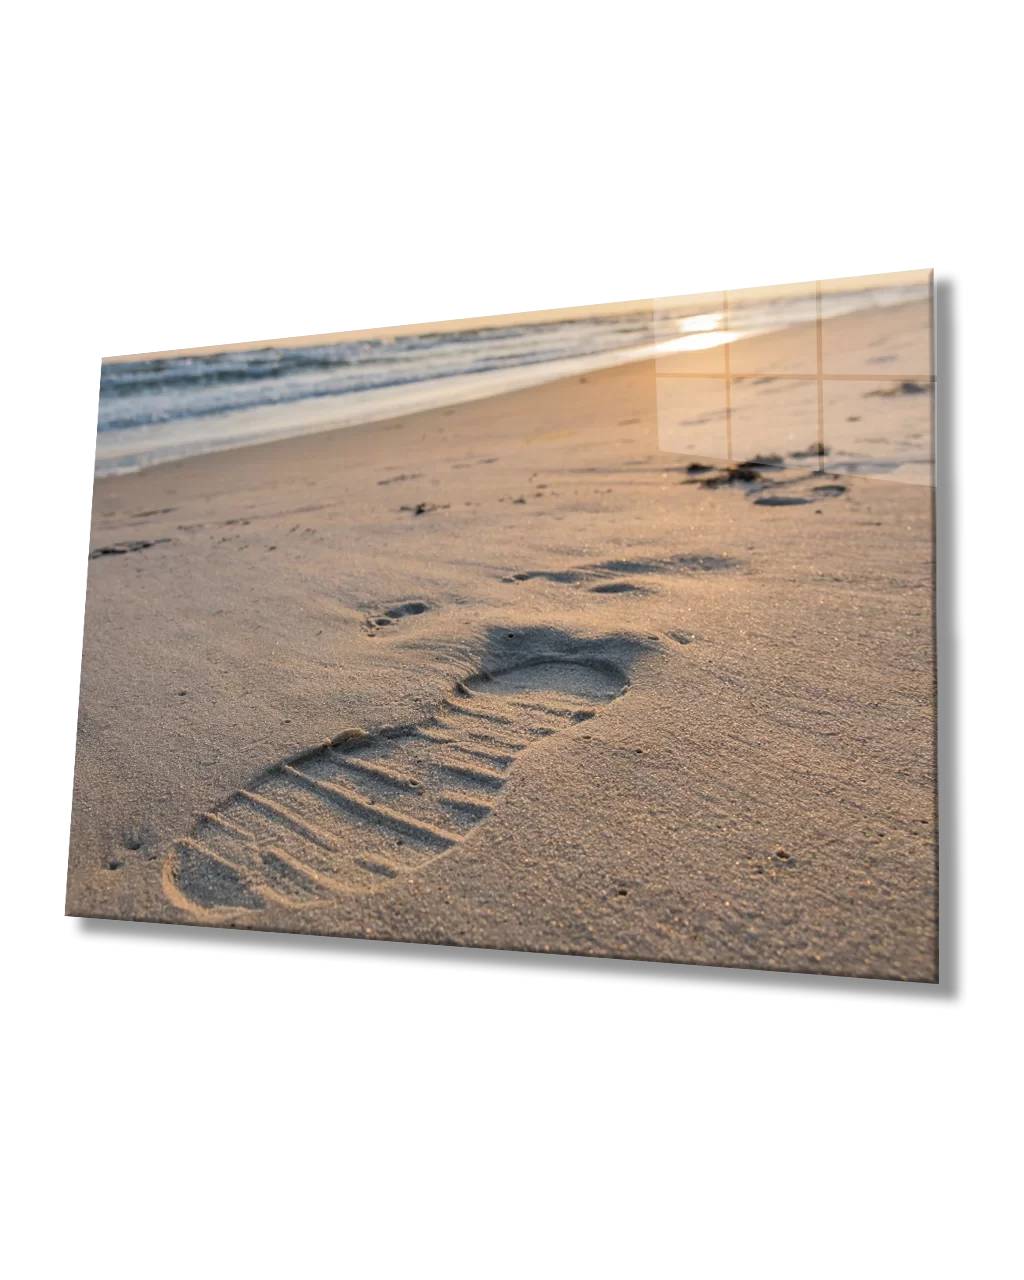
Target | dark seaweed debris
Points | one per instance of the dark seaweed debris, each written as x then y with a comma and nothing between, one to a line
732,475
902,389
766,462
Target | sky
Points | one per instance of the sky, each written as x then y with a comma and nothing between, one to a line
576,312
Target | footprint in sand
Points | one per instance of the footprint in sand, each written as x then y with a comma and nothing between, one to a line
123,548
568,576
608,574
395,613
355,813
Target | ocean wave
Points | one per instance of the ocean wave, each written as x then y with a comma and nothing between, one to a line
166,389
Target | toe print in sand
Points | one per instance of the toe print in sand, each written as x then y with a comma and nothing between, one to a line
392,614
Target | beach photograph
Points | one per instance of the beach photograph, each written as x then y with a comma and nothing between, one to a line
605,631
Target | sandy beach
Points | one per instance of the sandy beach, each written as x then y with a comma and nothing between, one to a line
513,674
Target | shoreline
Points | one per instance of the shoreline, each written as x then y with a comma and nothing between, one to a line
127,449
148,446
